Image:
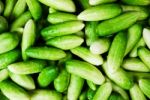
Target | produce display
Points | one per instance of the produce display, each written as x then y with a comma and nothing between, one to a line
74,50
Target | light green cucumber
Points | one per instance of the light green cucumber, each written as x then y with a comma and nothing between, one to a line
25,81
120,91
9,7
100,46
146,35
86,55
97,2
120,77
65,42
90,32
59,17
144,55
43,94
35,8
85,70
144,85
75,87
134,64
144,13
116,52
103,92
47,75
8,41
9,57
114,25
133,36
136,2
13,91
62,5
19,8
136,93
47,53
100,12
62,81
60,29
21,21
3,74
28,37
133,52
27,67
91,85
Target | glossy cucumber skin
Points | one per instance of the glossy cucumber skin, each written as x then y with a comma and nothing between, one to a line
116,52
85,70
114,25
101,12
60,29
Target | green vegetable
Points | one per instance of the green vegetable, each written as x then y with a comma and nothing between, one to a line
135,64
120,77
27,67
3,24
62,5
8,58
8,41
133,36
144,85
85,70
34,8
103,92
47,75
26,81
144,13
91,85
133,52
120,91
47,53
75,86
90,94
117,24
86,55
100,12
12,91
90,33
144,55
146,35
9,7
116,52
19,8
45,95
137,2
136,93
96,2
62,81
21,21
100,46
65,42
60,29
59,17
28,37
3,74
